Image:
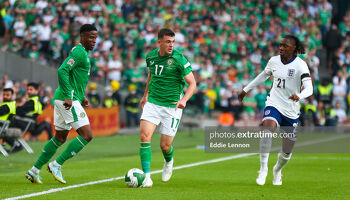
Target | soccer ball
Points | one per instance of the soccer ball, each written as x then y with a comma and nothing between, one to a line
134,178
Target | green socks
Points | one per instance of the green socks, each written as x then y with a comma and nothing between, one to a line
146,156
168,156
76,145
49,150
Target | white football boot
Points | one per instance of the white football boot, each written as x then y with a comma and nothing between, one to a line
261,179
147,183
277,177
167,170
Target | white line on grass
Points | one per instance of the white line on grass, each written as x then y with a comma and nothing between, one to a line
175,168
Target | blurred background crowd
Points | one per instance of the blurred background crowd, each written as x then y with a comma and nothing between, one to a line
227,43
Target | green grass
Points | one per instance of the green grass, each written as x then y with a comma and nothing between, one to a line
307,176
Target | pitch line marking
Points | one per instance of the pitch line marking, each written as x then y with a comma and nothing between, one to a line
175,168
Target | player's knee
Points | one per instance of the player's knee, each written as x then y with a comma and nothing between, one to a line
164,147
60,138
145,137
270,124
88,138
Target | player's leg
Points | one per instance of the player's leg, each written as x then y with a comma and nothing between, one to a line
82,125
287,148
50,148
168,151
48,151
150,118
169,125
270,122
147,130
76,145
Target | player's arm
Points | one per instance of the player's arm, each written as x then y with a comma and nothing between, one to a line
185,69
308,88
145,95
191,81
261,78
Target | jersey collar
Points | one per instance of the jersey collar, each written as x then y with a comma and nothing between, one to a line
82,46
291,60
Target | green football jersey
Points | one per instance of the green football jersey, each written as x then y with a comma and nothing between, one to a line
167,77
73,75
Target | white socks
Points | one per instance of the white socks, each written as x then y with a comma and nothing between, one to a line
265,147
264,159
282,161
36,170
55,163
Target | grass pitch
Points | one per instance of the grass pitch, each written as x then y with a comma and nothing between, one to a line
307,176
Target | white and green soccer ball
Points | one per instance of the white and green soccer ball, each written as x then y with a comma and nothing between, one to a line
134,178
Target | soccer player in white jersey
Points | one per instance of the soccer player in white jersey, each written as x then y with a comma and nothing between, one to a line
291,83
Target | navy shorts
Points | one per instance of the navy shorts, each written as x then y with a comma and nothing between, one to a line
273,114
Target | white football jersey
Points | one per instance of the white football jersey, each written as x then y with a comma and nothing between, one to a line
287,80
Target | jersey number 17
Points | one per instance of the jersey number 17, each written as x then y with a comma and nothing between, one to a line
159,71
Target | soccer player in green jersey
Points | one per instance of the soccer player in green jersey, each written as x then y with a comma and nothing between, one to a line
163,101
73,76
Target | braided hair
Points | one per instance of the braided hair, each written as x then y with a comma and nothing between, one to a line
299,46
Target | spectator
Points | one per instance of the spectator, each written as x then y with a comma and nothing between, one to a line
7,112
32,108
332,42
235,105
131,104
115,68
6,82
340,112
249,107
19,27
93,96
44,33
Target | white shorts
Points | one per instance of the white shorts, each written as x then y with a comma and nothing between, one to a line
167,117
75,117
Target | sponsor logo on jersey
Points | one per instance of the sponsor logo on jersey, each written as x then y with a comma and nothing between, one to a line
169,62
267,112
291,72
71,62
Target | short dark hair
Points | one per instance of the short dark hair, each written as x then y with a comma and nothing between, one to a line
34,85
87,28
300,49
8,90
165,32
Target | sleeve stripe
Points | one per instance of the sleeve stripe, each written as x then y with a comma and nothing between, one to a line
187,65
304,76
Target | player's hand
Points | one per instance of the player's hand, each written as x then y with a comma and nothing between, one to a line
67,103
294,97
143,101
241,95
85,102
180,104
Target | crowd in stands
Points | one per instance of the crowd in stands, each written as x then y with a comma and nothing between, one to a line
227,43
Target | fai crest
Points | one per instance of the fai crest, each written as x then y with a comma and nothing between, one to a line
291,72
170,62
82,115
